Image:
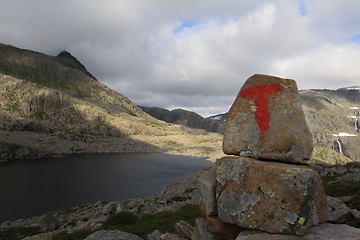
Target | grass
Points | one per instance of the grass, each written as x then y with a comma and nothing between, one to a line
38,115
177,199
16,233
121,219
146,224
189,190
140,226
339,188
355,202
352,221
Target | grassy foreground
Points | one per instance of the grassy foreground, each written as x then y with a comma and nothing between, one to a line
140,226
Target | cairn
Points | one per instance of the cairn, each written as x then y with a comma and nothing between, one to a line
265,184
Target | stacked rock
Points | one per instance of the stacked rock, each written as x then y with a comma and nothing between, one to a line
267,185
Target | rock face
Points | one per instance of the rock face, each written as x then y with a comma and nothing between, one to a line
266,121
112,235
270,196
207,187
325,231
184,229
219,228
201,232
338,208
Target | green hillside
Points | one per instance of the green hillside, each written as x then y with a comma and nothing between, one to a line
53,105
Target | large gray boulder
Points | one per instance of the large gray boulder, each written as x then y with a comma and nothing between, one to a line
266,121
338,209
207,187
270,196
112,235
325,231
201,232
48,222
184,229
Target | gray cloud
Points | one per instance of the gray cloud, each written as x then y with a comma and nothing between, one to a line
193,54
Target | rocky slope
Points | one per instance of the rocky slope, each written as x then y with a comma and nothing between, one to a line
332,116
53,105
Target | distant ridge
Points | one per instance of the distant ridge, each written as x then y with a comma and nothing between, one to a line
183,117
329,114
350,88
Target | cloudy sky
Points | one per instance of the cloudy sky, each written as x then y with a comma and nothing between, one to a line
193,54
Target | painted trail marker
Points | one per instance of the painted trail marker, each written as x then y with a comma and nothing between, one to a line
260,94
266,121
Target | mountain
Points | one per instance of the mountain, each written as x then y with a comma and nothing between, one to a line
183,117
53,105
220,119
70,61
333,118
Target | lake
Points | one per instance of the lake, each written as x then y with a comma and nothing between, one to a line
33,187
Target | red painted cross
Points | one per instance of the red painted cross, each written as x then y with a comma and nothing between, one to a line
261,96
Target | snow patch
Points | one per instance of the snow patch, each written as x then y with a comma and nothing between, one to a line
354,108
344,135
352,117
216,118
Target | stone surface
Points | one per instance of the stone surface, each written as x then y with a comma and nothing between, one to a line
207,186
171,236
219,228
355,213
184,229
267,121
325,231
201,232
338,209
269,196
48,222
155,235
112,235
43,236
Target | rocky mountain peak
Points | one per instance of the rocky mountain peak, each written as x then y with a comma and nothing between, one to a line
65,53
68,60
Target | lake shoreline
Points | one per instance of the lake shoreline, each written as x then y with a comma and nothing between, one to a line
79,179
21,145
91,216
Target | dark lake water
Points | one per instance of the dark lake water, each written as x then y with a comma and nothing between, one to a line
34,187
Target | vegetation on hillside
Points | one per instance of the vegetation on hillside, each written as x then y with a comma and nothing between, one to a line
50,107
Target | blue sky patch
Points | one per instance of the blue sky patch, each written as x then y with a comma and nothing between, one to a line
302,8
355,39
183,26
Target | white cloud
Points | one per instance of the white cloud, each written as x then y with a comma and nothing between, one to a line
328,66
134,47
